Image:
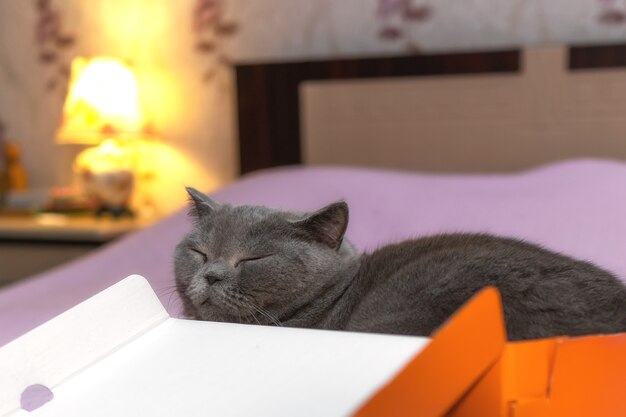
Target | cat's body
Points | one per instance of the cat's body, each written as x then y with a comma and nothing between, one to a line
414,286
258,265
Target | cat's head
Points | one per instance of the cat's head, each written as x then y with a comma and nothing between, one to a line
252,264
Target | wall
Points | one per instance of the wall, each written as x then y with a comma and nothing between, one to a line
277,29
193,117
182,51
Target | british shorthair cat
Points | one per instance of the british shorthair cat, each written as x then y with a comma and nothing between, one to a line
257,265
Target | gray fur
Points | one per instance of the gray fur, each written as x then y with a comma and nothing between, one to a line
251,264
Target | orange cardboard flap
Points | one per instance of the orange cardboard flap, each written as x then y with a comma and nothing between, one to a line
588,378
522,373
469,370
461,351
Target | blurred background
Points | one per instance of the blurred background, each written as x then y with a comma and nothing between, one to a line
183,55
108,108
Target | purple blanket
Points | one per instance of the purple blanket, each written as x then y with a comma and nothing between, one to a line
575,207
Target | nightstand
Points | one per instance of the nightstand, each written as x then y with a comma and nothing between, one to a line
33,244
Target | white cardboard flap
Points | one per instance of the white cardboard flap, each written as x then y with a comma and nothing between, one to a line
70,342
192,368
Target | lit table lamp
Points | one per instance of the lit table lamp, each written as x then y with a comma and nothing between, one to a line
102,108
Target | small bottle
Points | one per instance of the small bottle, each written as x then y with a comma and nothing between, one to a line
4,175
18,178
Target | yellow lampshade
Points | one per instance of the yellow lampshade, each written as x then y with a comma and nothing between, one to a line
102,102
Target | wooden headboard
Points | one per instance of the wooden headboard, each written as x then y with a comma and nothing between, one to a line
268,95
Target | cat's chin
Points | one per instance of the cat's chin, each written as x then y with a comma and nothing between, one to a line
209,312
215,314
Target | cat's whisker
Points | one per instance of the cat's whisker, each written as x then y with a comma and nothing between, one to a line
166,294
246,299
168,287
169,299
162,293
237,301
167,290
255,319
267,314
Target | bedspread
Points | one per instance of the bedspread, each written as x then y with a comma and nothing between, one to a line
574,207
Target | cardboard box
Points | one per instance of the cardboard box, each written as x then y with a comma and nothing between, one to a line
469,370
120,354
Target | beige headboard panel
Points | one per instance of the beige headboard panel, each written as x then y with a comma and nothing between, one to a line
494,122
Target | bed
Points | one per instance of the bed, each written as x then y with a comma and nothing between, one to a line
576,207
530,183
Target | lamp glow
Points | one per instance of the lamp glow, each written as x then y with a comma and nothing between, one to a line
102,101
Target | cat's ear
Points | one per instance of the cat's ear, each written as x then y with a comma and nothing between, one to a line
201,205
327,225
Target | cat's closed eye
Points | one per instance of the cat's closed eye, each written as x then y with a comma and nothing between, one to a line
202,254
251,259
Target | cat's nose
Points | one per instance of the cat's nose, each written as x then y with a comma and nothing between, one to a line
212,279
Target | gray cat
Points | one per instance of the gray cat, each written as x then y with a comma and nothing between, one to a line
252,264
